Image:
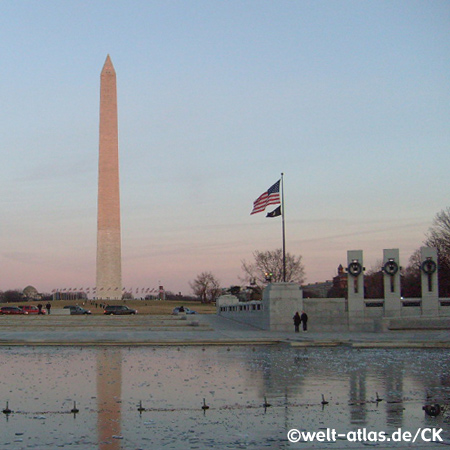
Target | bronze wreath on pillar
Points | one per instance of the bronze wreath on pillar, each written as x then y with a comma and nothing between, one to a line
391,268
354,268
428,266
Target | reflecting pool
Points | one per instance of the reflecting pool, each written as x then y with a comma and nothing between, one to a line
152,397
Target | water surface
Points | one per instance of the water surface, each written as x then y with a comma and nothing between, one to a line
107,385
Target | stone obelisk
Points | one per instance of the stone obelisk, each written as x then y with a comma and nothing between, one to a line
109,271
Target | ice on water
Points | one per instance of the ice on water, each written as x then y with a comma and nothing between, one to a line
379,389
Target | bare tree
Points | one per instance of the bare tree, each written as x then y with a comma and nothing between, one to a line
439,236
271,262
414,260
206,286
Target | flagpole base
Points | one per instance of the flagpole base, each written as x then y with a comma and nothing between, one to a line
281,301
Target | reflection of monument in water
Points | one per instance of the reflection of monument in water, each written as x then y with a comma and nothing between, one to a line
109,394
357,395
109,272
394,393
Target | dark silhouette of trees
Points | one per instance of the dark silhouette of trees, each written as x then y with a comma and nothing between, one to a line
410,277
373,282
11,296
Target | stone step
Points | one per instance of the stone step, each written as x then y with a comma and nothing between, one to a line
160,323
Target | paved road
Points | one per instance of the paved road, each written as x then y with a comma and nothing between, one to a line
207,329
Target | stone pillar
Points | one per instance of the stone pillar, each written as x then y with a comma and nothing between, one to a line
280,302
109,271
391,280
355,287
429,279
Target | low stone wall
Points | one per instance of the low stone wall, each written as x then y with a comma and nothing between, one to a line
444,307
326,314
282,300
411,307
250,313
418,323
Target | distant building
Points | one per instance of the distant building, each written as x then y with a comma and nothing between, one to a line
69,295
323,289
340,280
31,293
319,289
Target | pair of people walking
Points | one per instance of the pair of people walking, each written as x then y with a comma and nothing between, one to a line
300,319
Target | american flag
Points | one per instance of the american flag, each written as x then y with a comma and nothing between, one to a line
270,197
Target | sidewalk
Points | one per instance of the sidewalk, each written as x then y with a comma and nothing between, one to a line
205,329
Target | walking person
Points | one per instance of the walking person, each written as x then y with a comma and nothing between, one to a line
297,321
304,319
48,306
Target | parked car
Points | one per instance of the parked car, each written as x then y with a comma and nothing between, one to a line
182,310
118,309
11,310
31,309
78,311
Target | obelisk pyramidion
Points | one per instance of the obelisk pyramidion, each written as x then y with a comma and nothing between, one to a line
109,271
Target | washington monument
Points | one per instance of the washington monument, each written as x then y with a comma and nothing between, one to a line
109,271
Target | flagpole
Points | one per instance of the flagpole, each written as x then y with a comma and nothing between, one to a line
284,233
